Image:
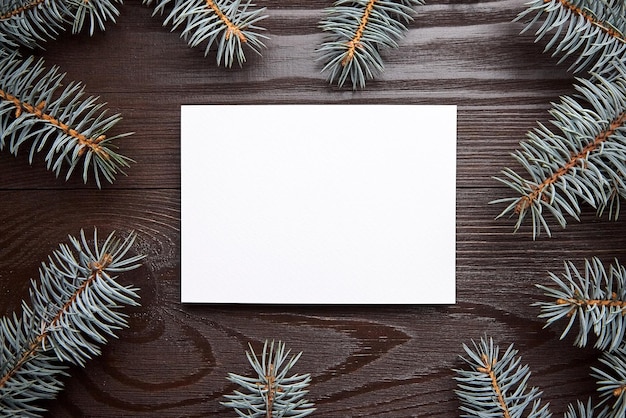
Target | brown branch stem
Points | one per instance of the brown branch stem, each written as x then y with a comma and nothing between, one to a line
355,42
232,29
488,370
608,303
271,383
38,112
271,389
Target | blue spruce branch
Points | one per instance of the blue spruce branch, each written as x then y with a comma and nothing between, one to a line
595,298
357,31
496,384
582,161
229,25
272,393
612,384
36,111
592,31
73,310
31,23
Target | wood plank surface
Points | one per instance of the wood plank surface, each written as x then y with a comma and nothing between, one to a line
387,361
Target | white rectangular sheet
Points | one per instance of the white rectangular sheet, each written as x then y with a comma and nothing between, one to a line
318,204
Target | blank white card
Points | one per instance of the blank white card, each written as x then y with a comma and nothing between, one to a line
318,204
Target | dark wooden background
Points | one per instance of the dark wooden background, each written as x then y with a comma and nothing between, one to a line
378,361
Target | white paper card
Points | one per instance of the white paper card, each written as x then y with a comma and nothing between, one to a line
318,204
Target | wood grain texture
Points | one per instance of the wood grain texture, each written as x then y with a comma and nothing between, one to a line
389,361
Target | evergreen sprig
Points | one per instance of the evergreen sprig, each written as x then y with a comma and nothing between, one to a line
584,160
591,30
74,308
612,383
36,111
496,385
594,297
357,31
31,23
228,24
272,393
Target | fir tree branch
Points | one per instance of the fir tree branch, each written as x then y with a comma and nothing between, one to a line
357,30
31,23
496,385
594,30
229,24
612,384
72,311
35,109
595,297
272,394
584,162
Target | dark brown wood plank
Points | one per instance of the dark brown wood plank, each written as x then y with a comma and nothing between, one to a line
366,361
